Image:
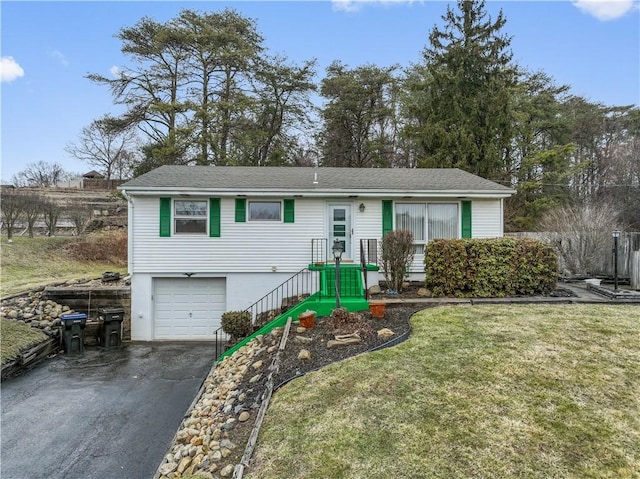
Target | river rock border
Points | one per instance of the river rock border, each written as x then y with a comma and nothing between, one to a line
230,396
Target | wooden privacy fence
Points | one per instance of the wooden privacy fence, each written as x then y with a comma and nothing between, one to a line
628,243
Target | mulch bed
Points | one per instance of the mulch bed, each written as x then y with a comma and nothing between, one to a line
315,341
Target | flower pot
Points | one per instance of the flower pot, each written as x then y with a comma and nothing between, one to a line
377,308
307,319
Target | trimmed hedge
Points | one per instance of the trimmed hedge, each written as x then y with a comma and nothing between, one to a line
477,268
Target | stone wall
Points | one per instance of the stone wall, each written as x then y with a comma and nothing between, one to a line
90,300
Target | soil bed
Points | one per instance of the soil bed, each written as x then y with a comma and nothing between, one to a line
315,341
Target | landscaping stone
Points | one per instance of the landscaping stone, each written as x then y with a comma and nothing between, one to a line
202,445
304,354
385,333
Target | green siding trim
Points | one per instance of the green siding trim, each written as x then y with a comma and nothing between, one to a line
466,219
165,217
214,217
289,211
387,216
241,210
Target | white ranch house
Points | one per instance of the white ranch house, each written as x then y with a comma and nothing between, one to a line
207,239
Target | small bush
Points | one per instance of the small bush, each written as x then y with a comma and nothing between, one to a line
490,267
237,324
107,247
396,256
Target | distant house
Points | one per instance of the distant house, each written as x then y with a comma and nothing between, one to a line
93,175
204,240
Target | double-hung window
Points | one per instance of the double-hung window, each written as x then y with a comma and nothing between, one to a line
190,216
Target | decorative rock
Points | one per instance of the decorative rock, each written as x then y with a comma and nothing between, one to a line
304,354
216,456
303,340
186,461
300,329
385,333
168,468
424,292
255,378
225,452
244,416
374,289
227,443
227,471
257,365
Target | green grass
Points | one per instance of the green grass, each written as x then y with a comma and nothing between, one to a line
27,263
16,336
492,392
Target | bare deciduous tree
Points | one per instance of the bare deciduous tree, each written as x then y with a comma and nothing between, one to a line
581,236
11,210
41,174
104,147
32,209
396,256
50,214
80,217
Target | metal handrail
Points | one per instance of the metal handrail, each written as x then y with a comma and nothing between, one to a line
283,297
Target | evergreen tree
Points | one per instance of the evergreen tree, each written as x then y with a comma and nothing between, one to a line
463,117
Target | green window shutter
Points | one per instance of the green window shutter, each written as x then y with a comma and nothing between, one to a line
241,210
387,216
289,211
466,219
165,217
214,217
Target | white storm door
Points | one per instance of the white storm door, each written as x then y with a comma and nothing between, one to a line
340,228
188,308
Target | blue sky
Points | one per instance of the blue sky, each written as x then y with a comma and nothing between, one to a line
47,48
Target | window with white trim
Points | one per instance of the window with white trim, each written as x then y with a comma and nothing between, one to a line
427,221
265,211
190,217
443,220
411,216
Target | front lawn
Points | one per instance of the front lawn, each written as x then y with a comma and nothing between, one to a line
477,391
31,262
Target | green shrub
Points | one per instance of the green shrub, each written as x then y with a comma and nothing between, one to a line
490,267
237,323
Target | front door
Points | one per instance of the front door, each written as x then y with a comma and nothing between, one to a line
340,228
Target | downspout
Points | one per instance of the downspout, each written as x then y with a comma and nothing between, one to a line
129,231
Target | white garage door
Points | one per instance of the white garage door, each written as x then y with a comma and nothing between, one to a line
188,308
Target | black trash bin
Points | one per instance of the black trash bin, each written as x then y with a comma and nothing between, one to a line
72,326
111,327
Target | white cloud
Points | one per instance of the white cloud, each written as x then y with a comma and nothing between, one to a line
605,9
60,57
355,5
10,69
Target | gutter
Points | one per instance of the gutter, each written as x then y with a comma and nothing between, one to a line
130,236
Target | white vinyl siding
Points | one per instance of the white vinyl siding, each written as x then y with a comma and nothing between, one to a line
242,247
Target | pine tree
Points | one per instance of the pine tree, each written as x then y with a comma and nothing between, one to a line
463,116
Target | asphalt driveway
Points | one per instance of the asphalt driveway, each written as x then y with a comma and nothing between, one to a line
107,414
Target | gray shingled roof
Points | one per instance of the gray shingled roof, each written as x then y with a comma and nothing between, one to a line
254,178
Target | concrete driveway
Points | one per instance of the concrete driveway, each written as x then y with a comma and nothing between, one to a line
106,414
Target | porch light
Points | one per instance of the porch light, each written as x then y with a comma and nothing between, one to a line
337,250
361,208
